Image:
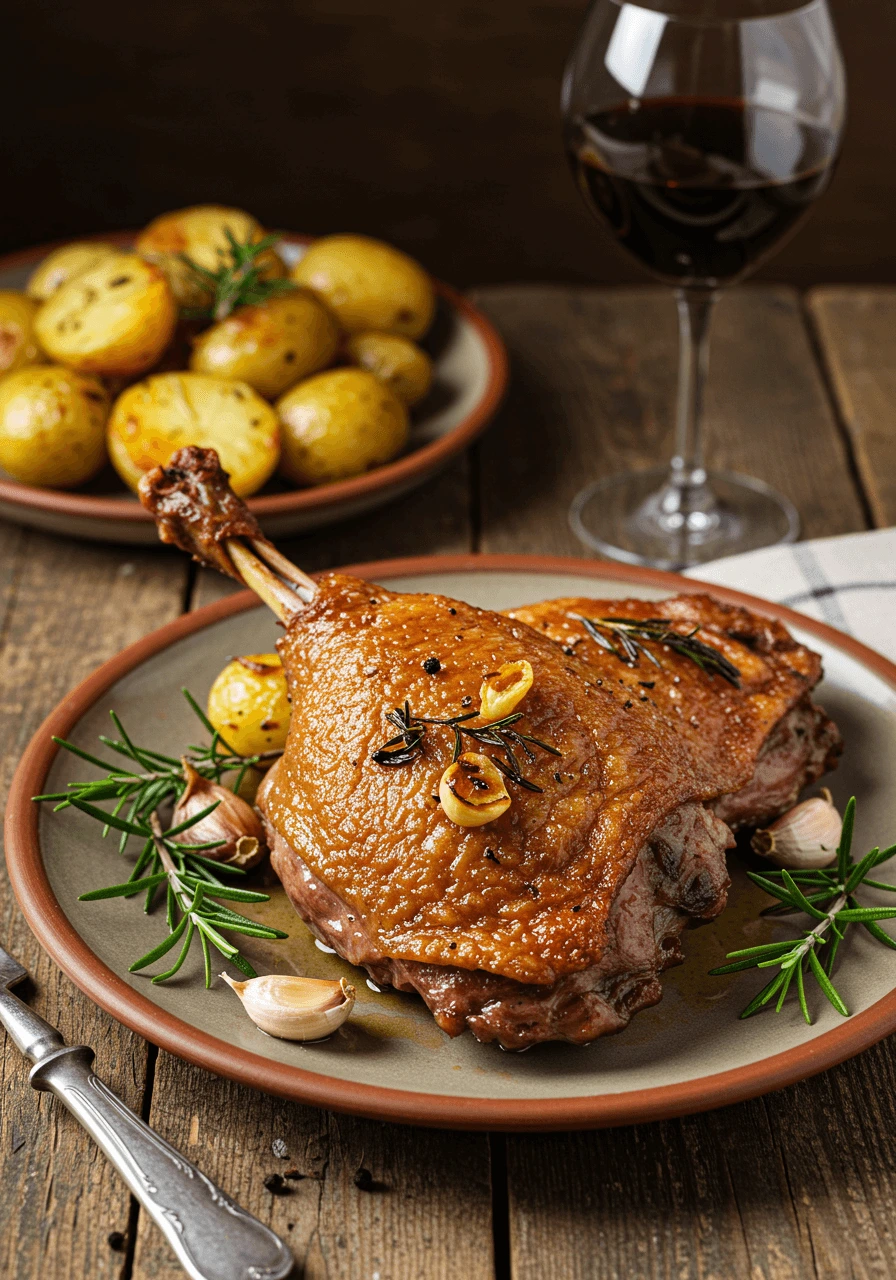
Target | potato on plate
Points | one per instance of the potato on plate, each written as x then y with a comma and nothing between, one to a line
52,426
248,705
272,345
339,424
368,284
396,361
64,264
154,418
18,342
115,319
200,233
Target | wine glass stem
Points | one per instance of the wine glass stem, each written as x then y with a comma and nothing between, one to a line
688,496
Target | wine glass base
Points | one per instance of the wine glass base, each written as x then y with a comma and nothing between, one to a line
634,517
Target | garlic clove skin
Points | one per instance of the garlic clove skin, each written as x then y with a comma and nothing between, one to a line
294,1008
472,791
502,690
805,837
234,821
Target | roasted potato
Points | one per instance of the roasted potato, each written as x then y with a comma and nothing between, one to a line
396,361
272,345
339,424
18,343
65,264
154,418
248,705
52,426
115,319
368,284
200,233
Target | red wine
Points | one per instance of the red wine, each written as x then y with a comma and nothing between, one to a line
699,190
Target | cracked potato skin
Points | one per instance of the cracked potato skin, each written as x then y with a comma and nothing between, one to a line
19,346
154,418
52,426
248,704
272,345
200,232
398,362
368,285
339,424
64,264
115,320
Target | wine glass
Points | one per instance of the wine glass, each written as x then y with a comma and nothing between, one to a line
700,132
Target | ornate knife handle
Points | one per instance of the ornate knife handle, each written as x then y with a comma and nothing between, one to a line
213,1238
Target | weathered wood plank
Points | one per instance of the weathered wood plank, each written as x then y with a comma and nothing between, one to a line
857,334
432,520
64,610
592,393
426,1217
430,1215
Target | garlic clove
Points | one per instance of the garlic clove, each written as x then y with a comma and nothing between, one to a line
805,837
472,791
295,1008
502,690
234,821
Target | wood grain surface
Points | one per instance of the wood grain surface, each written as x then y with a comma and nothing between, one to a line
857,334
800,1184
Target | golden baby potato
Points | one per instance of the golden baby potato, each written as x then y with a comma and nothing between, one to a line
368,284
18,342
64,264
52,426
272,345
200,233
248,705
153,419
339,424
396,361
115,319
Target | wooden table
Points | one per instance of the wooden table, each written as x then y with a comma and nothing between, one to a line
801,1183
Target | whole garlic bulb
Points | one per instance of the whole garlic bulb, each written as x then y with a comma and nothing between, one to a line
806,836
234,821
294,1008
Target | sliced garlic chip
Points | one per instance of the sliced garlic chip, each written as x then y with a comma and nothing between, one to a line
295,1008
472,791
806,836
503,689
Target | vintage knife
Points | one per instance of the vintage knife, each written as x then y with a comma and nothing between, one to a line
213,1238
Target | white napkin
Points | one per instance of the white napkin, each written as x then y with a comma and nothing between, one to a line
847,582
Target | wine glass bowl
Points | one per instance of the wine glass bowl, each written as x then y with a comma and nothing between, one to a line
700,133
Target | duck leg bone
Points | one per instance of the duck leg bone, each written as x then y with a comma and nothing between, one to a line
195,508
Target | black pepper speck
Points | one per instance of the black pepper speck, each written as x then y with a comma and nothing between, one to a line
432,666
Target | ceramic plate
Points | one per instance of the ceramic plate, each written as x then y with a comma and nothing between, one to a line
390,1061
470,375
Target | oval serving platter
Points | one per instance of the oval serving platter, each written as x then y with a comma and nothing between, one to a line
390,1061
470,377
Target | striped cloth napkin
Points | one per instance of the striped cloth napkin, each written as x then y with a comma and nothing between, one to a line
847,582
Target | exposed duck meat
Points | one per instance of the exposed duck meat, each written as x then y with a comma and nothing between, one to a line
554,920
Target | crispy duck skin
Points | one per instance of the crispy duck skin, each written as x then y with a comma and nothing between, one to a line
554,920
731,731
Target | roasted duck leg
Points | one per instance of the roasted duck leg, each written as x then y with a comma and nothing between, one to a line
554,919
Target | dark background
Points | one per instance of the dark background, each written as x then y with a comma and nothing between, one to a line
430,123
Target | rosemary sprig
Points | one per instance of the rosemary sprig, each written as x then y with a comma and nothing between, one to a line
827,896
182,873
407,745
625,637
241,282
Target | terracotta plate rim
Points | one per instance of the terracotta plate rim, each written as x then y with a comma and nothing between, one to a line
62,942
404,471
